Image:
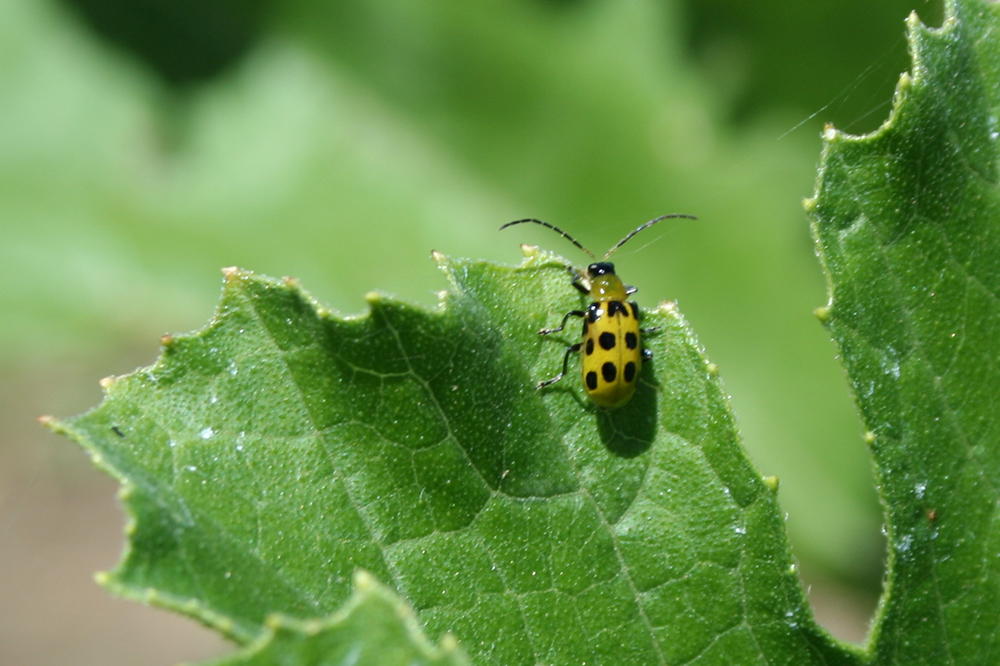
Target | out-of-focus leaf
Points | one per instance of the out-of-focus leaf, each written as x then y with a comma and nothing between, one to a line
356,137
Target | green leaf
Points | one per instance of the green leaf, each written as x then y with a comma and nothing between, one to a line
907,225
269,456
374,629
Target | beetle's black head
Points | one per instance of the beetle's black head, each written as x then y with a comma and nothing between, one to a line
601,268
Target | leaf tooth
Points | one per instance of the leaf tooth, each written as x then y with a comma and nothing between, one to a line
667,307
363,580
225,625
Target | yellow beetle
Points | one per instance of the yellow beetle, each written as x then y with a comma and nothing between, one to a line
612,339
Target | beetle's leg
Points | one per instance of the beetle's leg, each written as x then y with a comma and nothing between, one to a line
569,350
571,313
579,281
629,289
651,329
647,355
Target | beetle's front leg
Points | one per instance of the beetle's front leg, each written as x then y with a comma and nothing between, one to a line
571,313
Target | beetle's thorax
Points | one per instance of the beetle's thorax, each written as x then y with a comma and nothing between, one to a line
607,287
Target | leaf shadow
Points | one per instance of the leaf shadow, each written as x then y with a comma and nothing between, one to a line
629,431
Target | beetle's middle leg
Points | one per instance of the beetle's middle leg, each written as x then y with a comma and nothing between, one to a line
571,313
569,350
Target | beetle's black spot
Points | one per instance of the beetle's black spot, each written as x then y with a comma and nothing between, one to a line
608,371
631,340
594,312
615,307
592,380
635,309
590,346
607,340
629,371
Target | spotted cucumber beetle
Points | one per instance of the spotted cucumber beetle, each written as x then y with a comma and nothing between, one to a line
612,340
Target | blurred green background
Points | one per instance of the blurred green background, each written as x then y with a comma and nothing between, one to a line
145,144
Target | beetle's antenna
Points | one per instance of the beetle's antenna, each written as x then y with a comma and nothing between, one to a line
553,228
645,226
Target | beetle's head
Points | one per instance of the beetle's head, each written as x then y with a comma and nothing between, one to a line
600,268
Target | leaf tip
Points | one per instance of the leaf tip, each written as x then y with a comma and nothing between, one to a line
667,307
772,483
166,341
830,133
230,271
107,382
225,625
131,526
809,204
870,438
449,643
292,282
529,251
54,424
713,369
363,580
102,578
439,258
905,80
822,313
